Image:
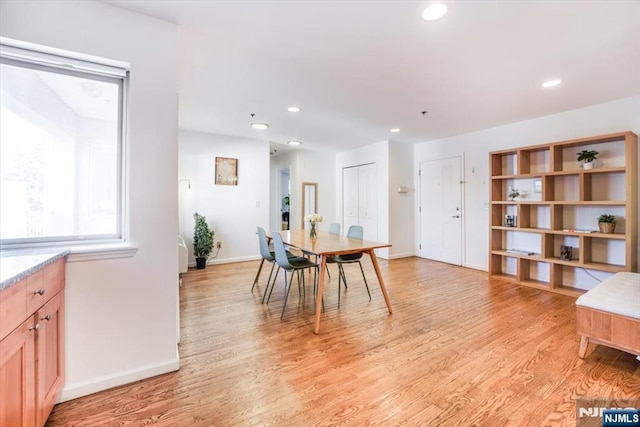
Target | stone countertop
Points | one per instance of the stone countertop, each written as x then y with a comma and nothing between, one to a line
16,264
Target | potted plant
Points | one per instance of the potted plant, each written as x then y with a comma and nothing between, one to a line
513,193
607,223
587,157
202,240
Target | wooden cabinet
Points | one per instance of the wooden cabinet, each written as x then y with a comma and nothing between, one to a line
32,352
546,236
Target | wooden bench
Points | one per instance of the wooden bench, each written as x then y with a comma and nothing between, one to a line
609,314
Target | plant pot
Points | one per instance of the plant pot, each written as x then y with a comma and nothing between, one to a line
201,263
607,227
587,165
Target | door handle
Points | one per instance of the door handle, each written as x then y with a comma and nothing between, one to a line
455,216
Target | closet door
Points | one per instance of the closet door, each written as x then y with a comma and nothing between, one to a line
368,200
350,197
360,199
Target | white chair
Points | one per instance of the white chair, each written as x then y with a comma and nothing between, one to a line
183,256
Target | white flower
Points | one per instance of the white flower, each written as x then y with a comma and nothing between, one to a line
314,218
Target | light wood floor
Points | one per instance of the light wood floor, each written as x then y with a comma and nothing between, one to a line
458,350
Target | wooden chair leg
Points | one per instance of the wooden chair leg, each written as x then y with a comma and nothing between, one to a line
584,341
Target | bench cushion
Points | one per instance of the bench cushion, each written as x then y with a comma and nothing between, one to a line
619,294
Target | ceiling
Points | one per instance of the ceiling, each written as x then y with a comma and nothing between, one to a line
359,68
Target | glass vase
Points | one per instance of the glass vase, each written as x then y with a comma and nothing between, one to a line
313,232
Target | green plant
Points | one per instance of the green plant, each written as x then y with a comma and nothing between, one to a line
202,237
587,156
607,218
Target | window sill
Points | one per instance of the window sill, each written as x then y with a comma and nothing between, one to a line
98,252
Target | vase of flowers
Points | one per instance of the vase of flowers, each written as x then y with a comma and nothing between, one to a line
313,219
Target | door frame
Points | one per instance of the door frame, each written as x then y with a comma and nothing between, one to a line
463,229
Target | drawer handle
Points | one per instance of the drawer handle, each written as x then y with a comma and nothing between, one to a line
35,328
39,292
47,317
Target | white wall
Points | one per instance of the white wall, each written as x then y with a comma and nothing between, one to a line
305,166
621,115
121,313
232,211
401,205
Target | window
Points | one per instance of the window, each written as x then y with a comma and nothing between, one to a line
61,148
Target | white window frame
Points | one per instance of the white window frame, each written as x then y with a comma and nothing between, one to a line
33,56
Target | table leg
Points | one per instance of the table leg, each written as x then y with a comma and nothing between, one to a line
374,260
323,267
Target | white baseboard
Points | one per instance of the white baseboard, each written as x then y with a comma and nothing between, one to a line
476,266
404,255
74,391
229,260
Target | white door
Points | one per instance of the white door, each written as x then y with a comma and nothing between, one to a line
350,198
360,199
368,201
441,210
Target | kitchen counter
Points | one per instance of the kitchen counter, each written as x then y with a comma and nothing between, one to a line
16,264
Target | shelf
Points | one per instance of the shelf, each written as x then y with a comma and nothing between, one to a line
526,230
538,284
561,173
521,176
565,290
612,268
535,257
562,202
596,235
567,197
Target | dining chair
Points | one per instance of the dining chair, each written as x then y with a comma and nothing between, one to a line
267,255
334,228
291,265
354,232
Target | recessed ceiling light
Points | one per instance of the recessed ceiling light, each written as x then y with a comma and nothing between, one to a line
293,109
434,11
294,142
551,83
394,130
259,125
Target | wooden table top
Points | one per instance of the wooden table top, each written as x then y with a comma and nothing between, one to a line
327,243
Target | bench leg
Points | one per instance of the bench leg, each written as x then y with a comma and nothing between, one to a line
584,341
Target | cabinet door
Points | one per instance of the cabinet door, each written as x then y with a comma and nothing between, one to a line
50,350
17,376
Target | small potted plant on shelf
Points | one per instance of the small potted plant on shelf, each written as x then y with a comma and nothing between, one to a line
607,223
587,157
202,240
513,193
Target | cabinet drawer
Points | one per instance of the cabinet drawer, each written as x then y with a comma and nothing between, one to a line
13,307
44,284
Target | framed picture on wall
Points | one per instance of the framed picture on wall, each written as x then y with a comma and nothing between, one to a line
226,171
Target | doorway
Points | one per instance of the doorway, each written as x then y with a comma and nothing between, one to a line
285,198
441,210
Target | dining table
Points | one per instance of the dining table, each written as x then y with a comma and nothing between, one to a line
329,245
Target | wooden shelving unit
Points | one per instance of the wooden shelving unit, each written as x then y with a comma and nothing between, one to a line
558,197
